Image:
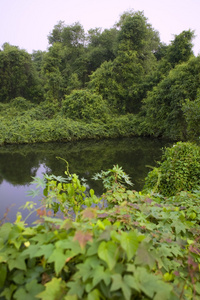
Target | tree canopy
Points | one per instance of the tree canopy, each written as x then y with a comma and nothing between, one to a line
127,66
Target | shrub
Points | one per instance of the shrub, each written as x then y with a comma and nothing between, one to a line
85,105
191,111
141,247
179,170
21,103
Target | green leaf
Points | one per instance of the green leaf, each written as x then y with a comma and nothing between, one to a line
198,287
76,288
15,237
100,274
59,258
91,192
19,277
70,243
164,291
45,191
29,292
132,282
129,242
108,252
33,193
45,250
8,292
43,238
71,297
151,284
30,251
54,289
3,272
29,231
145,256
94,295
85,271
17,263
118,283
179,226
5,231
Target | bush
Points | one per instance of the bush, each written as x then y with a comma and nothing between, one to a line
191,111
179,170
140,247
85,105
21,103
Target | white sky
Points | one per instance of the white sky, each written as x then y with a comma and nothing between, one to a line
26,23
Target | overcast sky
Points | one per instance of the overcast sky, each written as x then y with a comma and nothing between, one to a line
27,23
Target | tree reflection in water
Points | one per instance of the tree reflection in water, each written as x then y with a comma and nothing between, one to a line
18,164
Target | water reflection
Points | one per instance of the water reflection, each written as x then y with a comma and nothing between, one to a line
18,164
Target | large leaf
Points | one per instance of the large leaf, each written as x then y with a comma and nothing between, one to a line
29,292
118,283
3,272
17,263
129,242
83,237
100,274
76,288
144,256
152,285
54,289
45,250
59,258
5,231
108,252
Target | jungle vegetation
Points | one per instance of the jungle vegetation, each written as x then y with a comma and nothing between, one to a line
121,81
124,244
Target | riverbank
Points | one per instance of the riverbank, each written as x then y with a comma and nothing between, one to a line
19,163
144,245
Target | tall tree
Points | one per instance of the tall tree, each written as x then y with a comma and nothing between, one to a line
101,47
180,49
64,66
163,105
18,76
136,42
69,35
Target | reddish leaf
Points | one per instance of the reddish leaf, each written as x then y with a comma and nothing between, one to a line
103,215
83,237
148,200
41,212
89,213
176,273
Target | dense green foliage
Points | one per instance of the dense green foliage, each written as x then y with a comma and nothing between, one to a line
94,78
130,246
163,105
124,245
179,170
43,123
18,77
84,105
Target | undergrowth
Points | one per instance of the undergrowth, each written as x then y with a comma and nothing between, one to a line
24,129
123,245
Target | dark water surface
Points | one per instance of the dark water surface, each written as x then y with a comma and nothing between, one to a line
18,164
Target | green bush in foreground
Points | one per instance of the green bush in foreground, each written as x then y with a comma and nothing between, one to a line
179,170
138,247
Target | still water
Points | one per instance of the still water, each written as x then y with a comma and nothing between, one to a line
18,164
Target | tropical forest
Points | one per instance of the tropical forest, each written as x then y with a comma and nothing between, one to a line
123,243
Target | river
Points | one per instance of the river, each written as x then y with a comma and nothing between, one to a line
18,164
